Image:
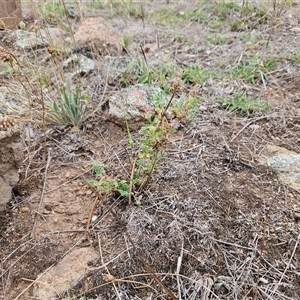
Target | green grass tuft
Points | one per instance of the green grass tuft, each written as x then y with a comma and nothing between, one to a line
244,104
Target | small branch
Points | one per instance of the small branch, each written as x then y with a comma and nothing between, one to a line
107,270
144,55
146,181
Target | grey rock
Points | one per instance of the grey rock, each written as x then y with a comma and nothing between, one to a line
53,36
78,64
134,103
116,66
28,40
286,163
72,11
9,101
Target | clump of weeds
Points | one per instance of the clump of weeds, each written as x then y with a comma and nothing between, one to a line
244,104
71,109
150,148
253,70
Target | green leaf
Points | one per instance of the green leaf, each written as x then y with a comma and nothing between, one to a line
98,169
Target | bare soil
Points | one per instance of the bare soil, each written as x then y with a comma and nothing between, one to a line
210,202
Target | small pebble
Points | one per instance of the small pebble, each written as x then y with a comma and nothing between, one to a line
24,209
94,218
254,127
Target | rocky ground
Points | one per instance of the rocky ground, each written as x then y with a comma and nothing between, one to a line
220,216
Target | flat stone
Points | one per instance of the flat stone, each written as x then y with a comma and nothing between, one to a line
9,101
96,36
286,163
63,276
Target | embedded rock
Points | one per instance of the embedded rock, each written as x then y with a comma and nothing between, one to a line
97,37
11,156
134,103
55,37
10,101
116,66
28,40
78,64
63,276
286,163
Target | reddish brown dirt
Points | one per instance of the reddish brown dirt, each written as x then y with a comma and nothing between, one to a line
209,200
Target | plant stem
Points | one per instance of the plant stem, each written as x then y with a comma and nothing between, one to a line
146,181
131,179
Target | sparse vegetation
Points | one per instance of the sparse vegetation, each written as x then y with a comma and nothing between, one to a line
216,39
182,202
196,75
244,104
253,70
51,10
154,138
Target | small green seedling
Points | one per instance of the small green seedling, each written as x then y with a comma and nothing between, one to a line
105,184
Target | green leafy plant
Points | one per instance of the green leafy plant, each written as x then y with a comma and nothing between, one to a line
106,184
95,4
244,104
133,10
224,8
167,16
212,14
150,146
126,41
297,57
70,109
